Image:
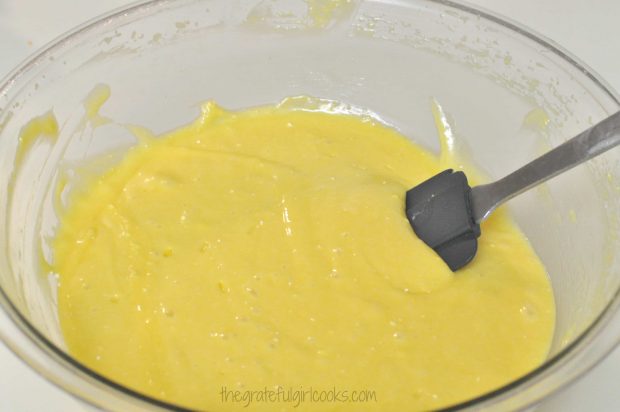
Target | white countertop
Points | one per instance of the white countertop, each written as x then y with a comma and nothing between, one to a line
588,29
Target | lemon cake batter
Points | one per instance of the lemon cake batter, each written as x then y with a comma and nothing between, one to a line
269,249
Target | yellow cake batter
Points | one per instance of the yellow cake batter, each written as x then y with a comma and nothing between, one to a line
267,252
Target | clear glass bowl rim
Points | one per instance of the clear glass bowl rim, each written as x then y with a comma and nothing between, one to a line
65,361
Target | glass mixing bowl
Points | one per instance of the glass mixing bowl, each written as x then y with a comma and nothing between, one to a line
510,93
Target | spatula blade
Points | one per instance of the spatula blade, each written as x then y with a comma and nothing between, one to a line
439,211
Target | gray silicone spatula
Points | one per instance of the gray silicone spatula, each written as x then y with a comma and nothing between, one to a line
445,212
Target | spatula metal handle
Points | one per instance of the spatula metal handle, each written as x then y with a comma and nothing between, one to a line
590,143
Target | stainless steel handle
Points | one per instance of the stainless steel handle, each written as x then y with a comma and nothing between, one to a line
588,144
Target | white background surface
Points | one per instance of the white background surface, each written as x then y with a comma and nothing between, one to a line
589,29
